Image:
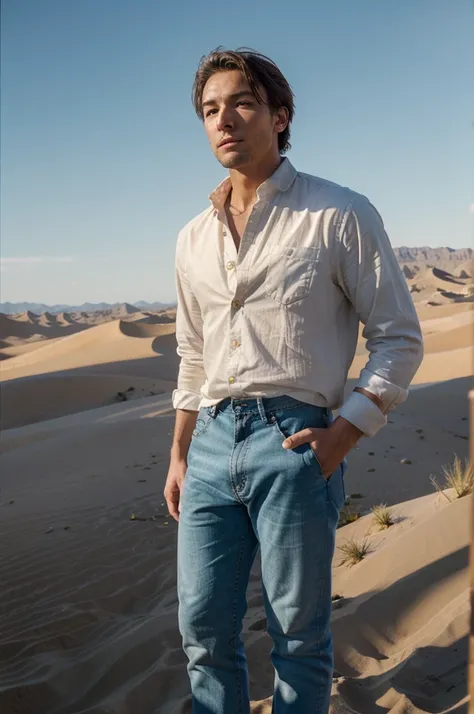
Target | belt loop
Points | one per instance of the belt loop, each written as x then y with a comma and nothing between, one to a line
261,410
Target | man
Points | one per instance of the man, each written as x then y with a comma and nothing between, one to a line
272,279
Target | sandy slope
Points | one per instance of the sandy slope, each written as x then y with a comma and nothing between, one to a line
401,633
104,344
87,370
29,326
88,615
66,393
439,284
144,347
448,333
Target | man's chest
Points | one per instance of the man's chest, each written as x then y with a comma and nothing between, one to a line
274,256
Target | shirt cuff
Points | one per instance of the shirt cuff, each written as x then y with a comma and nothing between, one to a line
363,413
182,399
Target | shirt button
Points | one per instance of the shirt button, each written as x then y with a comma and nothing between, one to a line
224,232
235,343
236,304
231,265
231,380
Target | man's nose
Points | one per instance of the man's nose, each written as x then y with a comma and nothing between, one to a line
224,119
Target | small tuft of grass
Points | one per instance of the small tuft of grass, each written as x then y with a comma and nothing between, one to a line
459,476
354,551
383,516
349,515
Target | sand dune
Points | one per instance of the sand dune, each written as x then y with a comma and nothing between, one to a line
28,327
146,349
14,330
64,318
33,399
434,285
442,320
145,328
19,347
29,317
401,633
446,276
99,345
453,339
448,333
87,370
428,312
89,620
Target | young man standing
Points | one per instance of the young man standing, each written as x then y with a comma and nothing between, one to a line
272,279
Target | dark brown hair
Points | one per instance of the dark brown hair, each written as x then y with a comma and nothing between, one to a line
259,71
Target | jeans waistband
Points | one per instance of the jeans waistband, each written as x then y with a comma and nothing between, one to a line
264,406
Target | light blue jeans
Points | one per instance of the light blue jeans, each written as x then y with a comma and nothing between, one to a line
243,491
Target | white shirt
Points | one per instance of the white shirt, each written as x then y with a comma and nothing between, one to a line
281,315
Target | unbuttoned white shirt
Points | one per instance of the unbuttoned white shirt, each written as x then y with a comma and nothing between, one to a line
281,314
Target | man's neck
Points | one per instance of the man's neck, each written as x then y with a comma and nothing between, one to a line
246,181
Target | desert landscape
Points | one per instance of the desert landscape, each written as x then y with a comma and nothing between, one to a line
88,609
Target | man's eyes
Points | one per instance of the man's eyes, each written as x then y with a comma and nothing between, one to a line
242,102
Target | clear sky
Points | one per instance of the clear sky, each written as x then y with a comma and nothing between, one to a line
104,160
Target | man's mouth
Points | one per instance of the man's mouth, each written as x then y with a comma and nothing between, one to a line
228,143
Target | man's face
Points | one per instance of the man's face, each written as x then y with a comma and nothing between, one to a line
231,112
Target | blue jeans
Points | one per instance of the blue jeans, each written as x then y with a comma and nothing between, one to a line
243,491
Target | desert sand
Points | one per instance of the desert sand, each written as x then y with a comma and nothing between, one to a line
88,609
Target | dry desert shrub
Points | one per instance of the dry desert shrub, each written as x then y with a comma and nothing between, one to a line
354,551
383,516
458,476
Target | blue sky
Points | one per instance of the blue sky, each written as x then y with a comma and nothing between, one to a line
104,160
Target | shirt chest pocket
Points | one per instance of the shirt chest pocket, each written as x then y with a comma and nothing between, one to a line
291,273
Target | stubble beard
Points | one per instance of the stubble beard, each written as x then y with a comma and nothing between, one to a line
235,160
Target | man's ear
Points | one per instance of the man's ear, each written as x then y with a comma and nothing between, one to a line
281,119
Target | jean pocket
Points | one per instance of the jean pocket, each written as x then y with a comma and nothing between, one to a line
290,274
337,492
203,420
290,422
313,458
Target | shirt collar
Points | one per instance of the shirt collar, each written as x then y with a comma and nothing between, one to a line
280,180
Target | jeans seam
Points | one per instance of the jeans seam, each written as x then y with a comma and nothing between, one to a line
244,462
328,627
202,431
234,626
233,465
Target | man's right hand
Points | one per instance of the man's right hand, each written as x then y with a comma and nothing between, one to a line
183,433
174,485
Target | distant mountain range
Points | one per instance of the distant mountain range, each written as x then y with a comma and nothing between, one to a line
12,308
432,255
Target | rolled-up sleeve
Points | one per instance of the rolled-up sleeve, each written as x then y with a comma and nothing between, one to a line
369,275
189,335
